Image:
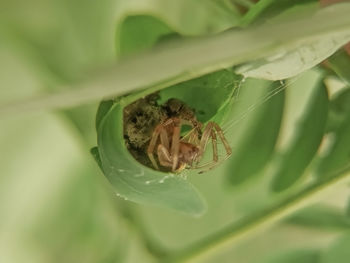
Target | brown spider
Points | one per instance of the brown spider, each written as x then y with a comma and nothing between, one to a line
178,152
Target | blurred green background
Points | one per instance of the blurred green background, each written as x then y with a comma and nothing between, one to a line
55,203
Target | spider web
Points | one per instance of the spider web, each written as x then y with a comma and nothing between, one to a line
230,125
284,84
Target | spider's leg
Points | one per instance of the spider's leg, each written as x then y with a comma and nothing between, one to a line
215,146
164,140
191,137
164,156
175,144
208,133
205,137
153,143
223,139
210,128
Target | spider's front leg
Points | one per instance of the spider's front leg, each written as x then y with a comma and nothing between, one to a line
175,144
210,131
159,131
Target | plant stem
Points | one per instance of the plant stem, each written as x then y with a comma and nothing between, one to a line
259,221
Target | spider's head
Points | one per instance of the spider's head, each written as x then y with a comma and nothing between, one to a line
177,108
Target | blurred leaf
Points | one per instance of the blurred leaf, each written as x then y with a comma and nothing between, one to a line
289,64
300,256
265,218
284,64
60,39
340,63
338,109
306,139
166,66
339,252
186,17
143,23
256,146
266,9
139,33
82,225
337,155
321,217
255,11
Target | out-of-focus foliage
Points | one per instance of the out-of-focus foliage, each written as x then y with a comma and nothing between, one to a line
57,206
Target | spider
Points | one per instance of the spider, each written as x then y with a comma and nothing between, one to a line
178,152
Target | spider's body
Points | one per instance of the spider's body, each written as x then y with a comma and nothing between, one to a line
178,152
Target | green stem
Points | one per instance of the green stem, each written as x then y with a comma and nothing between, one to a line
259,221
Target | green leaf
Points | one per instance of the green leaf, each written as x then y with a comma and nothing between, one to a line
102,110
138,33
96,155
321,217
255,11
256,146
282,65
265,9
338,109
166,66
307,137
339,252
187,17
299,256
138,183
337,155
207,94
340,63
143,24
265,218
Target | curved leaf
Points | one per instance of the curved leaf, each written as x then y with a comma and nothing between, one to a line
188,17
306,139
102,110
138,33
208,95
265,9
340,63
300,256
138,183
257,144
167,66
321,217
142,23
339,252
285,64
338,153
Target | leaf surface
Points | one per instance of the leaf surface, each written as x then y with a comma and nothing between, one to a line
338,252
337,155
306,138
256,146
